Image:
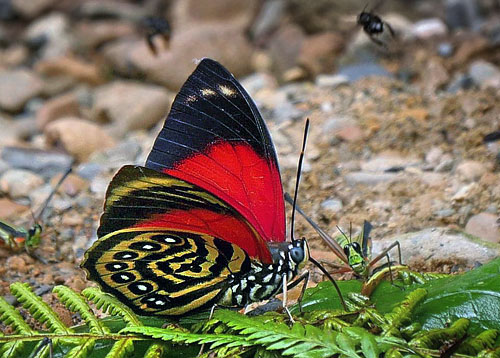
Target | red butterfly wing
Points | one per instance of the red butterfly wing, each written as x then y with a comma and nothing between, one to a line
215,138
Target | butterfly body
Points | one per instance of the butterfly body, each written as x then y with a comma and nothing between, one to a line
203,222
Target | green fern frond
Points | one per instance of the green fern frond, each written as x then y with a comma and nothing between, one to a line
155,351
40,310
11,317
484,340
111,305
121,348
402,313
181,336
82,350
75,302
435,337
490,353
300,340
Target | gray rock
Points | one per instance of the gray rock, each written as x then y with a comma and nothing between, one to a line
122,154
439,243
462,14
334,205
387,161
358,71
483,73
46,164
17,87
31,8
113,9
444,213
458,82
445,49
269,18
427,28
89,170
18,183
368,178
55,33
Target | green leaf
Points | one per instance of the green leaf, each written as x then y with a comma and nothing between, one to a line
473,295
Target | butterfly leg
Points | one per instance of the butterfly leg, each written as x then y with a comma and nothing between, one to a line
304,277
46,341
285,297
210,316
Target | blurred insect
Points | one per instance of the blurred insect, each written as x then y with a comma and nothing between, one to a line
156,26
355,253
29,239
373,26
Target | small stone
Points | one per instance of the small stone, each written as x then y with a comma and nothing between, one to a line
72,185
484,74
19,183
435,76
358,71
130,105
68,133
92,34
446,164
484,225
331,81
350,133
444,213
122,154
18,87
45,163
89,170
112,9
386,161
53,31
466,192
61,106
433,156
462,14
427,28
17,264
10,209
471,170
334,205
368,178
72,67
445,49
31,8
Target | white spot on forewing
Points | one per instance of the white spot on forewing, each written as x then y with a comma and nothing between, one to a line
127,256
207,92
170,240
159,302
124,277
147,247
117,266
142,288
227,91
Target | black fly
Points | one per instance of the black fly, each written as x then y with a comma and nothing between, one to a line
373,26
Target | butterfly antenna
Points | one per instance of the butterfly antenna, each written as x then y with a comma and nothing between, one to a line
49,198
297,180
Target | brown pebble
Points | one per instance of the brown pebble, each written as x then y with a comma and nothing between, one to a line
17,264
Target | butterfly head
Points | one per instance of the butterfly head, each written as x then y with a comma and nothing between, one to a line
299,253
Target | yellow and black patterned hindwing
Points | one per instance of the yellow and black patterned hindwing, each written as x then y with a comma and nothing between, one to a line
165,272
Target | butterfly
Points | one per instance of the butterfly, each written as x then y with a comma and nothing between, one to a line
203,223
